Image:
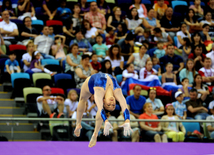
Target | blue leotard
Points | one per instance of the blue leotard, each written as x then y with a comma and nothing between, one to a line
99,80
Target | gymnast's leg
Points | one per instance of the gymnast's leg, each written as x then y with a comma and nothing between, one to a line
84,96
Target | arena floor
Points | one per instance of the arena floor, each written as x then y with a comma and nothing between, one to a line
105,148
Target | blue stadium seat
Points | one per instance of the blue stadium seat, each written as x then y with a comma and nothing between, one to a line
37,22
91,1
61,76
146,2
18,75
77,90
175,3
49,62
175,41
119,78
191,127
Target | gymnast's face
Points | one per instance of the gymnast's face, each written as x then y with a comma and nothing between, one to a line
109,103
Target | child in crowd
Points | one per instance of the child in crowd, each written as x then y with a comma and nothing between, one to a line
63,12
11,64
147,70
180,106
185,89
129,72
106,67
160,8
169,76
156,66
57,48
99,48
186,49
51,32
92,107
36,66
71,103
110,37
146,36
159,52
171,129
121,31
94,63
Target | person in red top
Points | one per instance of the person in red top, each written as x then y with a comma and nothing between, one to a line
151,130
94,63
198,57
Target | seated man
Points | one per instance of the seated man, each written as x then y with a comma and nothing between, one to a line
50,105
195,106
207,72
136,102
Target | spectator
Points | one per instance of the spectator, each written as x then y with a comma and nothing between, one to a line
49,9
186,48
9,30
136,102
156,66
76,18
210,126
43,43
94,63
152,20
146,37
195,106
208,19
95,17
26,9
115,19
169,76
106,67
184,33
72,59
197,40
129,72
68,31
211,55
159,52
92,107
57,48
11,64
160,8
185,88
171,129
121,31
191,21
205,33
188,72
90,32
117,61
139,59
49,105
162,36
201,88
71,103
28,32
157,105
83,44
170,23
141,8
7,5
103,7
198,57
27,57
135,135
51,32
99,48
110,37
63,12
127,45
176,60
180,106
84,7
36,66
199,12
210,8
83,71
151,130
147,70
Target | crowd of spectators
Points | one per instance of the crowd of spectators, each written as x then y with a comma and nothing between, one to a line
146,43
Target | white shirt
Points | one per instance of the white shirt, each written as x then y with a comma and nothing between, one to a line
52,104
211,56
72,105
206,72
91,32
115,63
93,112
130,75
143,70
132,24
8,27
172,125
211,105
27,57
182,35
43,43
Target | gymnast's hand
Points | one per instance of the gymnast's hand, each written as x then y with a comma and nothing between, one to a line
107,126
127,128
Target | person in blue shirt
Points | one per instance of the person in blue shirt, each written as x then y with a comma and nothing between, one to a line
136,102
63,12
11,64
179,105
83,44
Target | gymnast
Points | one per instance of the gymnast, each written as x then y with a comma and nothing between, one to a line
105,89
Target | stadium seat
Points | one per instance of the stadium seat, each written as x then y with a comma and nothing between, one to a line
119,78
77,90
49,62
146,2
91,1
31,90
19,50
38,25
174,3
18,75
61,76
57,91
56,24
175,41
37,76
190,127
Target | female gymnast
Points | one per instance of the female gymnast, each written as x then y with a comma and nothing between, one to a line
105,89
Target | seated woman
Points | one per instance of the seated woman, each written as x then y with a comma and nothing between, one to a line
121,31
115,19
191,21
152,20
151,130
27,57
141,8
105,90
7,5
117,61
57,48
169,77
147,71
210,7
164,37
129,72
106,67
83,71
25,8
208,20
157,105
184,33
197,40
139,59
76,18
199,12
172,129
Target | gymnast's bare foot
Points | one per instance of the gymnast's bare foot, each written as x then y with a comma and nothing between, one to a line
77,130
93,141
